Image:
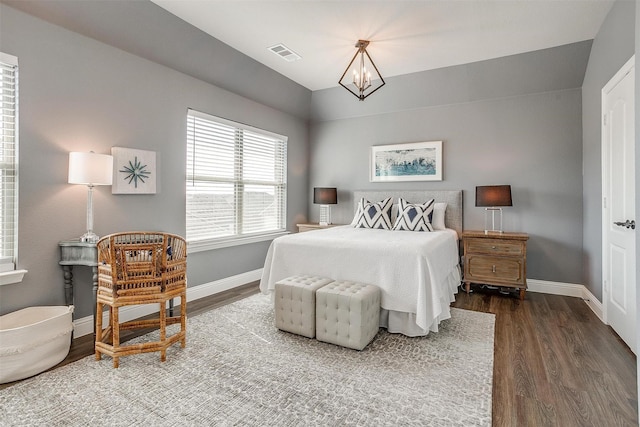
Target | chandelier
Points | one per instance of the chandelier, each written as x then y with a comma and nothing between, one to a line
361,82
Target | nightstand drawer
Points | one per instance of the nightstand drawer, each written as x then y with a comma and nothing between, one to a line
482,268
496,246
496,259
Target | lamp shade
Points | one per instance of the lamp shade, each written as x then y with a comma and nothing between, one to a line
325,196
90,168
493,196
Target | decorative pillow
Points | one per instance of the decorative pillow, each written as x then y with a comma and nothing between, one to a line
438,216
374,215
414,217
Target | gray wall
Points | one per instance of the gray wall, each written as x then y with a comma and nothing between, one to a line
146,30
78,94
612,47
531,141
539,71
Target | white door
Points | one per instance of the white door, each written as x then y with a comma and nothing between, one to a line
618,175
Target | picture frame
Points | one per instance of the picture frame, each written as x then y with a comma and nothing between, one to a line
415,161
134,171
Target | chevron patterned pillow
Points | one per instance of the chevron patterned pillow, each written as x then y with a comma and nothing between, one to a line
414,217
374,215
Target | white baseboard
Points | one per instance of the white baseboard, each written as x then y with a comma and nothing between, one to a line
555,288
84,326
568,290
221,285
593,303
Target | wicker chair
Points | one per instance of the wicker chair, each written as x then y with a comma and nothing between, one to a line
140,268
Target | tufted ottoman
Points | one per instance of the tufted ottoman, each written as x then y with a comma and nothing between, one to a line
295,304
347,313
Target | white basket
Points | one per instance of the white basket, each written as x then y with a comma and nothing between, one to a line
33,340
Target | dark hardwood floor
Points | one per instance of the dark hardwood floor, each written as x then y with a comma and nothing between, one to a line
555,363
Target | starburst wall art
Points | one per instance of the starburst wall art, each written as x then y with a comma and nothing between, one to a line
134,171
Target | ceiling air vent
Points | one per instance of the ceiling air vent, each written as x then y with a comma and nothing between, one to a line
284,52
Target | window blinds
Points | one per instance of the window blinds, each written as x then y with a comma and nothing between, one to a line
236,179
8,160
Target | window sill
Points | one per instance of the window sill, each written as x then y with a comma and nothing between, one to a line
207,245
14,276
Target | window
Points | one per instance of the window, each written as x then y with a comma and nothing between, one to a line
236,182
8,161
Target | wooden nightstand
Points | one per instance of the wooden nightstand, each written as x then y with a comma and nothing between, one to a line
313,226
498,259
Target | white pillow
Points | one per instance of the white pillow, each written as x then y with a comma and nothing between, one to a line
356,217
438,216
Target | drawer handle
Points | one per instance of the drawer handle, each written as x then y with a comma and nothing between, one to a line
493,247
493,269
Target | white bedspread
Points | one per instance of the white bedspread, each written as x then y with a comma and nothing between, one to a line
416,271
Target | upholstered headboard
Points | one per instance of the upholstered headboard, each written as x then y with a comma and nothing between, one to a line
453,199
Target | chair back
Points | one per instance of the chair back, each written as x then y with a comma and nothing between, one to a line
140,262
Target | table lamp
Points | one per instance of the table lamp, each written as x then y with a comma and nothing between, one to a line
325,196
90,169
493,198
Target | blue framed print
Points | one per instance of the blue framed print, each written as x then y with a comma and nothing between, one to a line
416,161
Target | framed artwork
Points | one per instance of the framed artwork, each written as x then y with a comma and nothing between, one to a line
134,171
416,161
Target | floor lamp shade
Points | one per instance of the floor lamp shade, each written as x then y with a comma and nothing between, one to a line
90,169
325,196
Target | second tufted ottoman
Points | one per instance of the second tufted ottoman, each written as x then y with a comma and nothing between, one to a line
295,304
347,313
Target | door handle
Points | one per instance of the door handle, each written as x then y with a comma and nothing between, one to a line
627,224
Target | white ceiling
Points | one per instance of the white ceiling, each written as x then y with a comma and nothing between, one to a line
406,36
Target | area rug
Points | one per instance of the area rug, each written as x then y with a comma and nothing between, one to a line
239,370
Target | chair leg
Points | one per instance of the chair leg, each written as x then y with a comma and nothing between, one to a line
114,329
115,332
163,329
183,318
98,321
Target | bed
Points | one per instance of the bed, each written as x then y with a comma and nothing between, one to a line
418,272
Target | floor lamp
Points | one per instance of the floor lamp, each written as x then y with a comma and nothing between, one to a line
90,169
